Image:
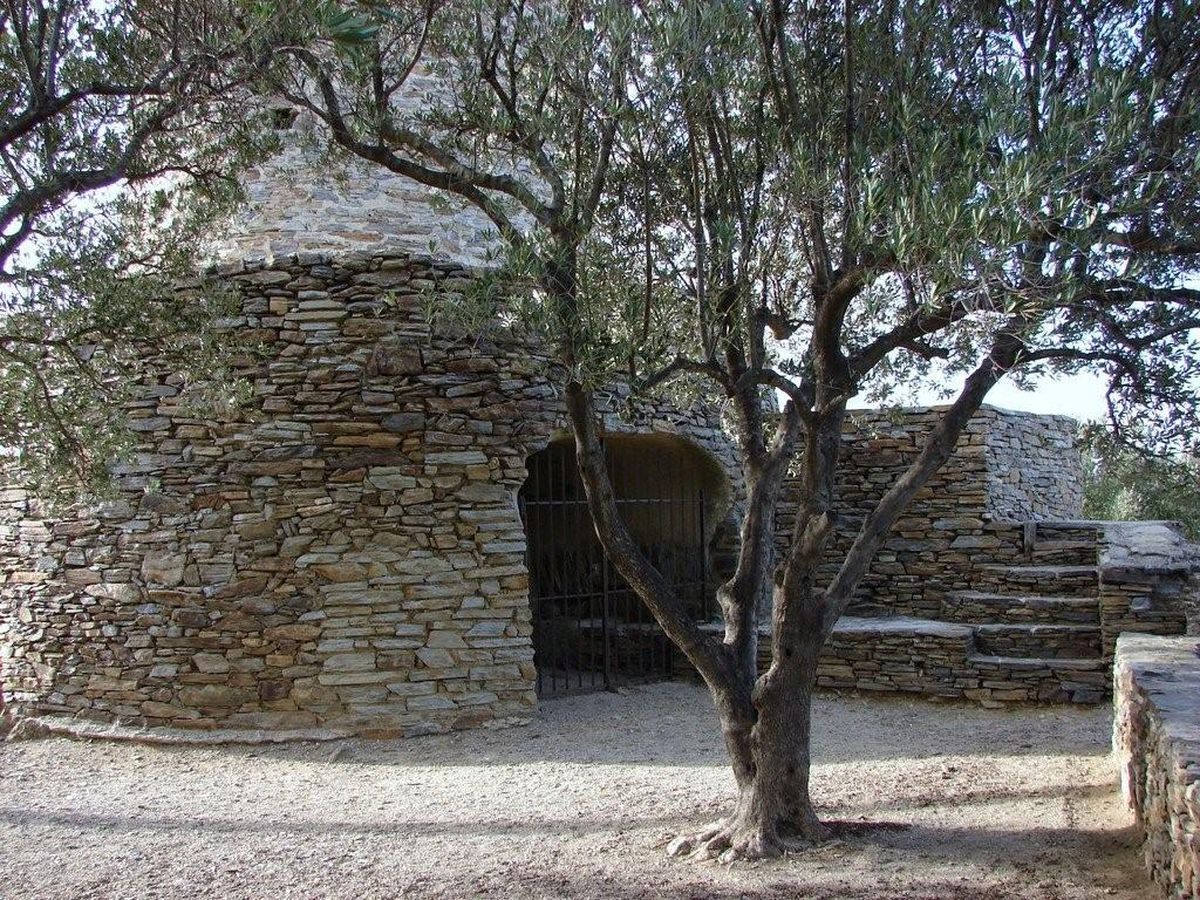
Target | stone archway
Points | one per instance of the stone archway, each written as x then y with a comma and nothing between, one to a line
590,631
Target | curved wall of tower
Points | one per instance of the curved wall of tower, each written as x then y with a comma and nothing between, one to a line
344,554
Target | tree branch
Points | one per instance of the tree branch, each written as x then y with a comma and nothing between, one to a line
1003,355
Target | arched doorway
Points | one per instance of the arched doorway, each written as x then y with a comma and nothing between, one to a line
590,630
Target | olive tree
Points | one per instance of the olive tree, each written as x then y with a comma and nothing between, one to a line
122,128
816,201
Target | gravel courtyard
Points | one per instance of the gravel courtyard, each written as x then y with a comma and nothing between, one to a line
938,801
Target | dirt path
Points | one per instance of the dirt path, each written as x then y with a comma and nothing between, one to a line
972,804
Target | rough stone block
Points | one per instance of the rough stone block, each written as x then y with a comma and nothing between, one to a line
219,695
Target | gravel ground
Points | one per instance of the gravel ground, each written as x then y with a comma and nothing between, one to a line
938,801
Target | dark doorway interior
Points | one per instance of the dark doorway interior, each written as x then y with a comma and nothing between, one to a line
590,631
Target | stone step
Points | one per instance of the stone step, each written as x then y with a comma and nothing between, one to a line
981,606
1039,679
942,659
1045,581
1064,553
1037,664
1065,530
1039,641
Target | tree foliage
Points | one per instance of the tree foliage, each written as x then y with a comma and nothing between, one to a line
823,200
1121,484
121,128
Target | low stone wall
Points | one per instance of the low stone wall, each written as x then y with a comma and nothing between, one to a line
1156,737
1148,580
343,553
938,660
968,511
894,655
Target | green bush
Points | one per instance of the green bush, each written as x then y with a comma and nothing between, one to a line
1121,484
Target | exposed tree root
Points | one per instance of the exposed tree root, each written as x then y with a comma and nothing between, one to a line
728,841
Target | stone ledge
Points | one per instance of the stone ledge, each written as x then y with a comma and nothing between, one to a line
1033,664
42,726
39,726
1136,551
908,655
1156,738
904,625
900,625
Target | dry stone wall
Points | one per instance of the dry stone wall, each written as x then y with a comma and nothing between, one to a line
1039,620
901,655
941,659
1156,738
1034,470
343,555
968,511
989,588
312,197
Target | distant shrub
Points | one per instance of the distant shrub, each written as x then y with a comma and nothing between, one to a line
1122,484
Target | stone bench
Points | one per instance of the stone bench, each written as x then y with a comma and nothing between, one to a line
907,655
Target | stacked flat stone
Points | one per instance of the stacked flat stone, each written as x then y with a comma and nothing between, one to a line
309,197
1156,738
989,588
345,554
999,475
1149,581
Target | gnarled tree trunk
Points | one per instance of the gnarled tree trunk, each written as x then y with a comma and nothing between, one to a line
774,811
767,719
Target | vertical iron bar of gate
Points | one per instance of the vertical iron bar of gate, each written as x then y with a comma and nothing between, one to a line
670,562
612,617
571,514
583,562
565,564
605,637
703,562
524,512
607,677
663,536
591,616
549,512
623,612
545,519
671,552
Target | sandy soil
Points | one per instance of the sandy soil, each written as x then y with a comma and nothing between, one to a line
963,803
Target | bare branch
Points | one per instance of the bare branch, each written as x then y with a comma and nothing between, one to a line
681,365
1003,355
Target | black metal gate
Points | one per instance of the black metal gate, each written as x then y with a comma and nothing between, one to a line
590,630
